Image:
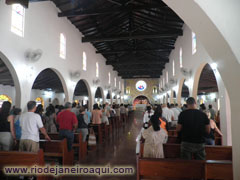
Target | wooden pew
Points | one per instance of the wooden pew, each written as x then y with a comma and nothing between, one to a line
78,143
98,132
218,170
57,149
212,152
172,133
16,158
154,168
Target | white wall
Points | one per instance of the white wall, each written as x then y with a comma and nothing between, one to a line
42,31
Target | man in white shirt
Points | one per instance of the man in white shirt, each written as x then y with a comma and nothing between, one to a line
176,113
167,113
31,123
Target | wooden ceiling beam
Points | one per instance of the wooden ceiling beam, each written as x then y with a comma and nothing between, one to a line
105,11
133,50
137,36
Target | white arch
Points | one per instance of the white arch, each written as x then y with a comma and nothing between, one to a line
89,92
15,79
63,82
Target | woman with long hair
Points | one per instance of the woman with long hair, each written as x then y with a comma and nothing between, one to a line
7,131
154,137
50,118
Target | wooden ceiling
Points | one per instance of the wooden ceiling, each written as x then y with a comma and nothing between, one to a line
135,36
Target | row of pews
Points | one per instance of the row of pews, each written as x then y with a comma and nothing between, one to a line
217,166
55,152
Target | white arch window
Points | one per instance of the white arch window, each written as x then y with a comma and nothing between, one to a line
84,61
18,17
62,46
180,58
173,64
109,78
194,43
115,82
97,70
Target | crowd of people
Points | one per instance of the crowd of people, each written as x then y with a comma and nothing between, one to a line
21,131
195,127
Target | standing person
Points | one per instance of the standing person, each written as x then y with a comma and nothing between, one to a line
105,114
82,125
7,131
148,114
50,118
68,123
96,115
18,131
74,109
31,123
212,111
176,113
154,137
167,114
210,138
122,113
193,125
87,115
39,111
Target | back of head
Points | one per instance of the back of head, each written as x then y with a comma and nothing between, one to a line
5,110
149,109
155,123
31,105
74,105
176,105
191,101
67,105
39,109
172,106
95,106
104,105
158,112
82,109
210,106
16,111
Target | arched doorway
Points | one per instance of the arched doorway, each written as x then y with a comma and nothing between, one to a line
82,93
207,92
108,97
48,86
99,96
140,102
8,90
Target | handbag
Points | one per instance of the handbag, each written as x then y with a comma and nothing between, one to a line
92,138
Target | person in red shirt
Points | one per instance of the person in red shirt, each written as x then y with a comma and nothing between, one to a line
68,123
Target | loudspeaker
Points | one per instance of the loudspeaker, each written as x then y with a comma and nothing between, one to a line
24,3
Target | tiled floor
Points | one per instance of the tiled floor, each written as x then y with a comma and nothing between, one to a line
119,150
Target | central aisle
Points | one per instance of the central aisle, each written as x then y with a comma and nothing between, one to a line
119,150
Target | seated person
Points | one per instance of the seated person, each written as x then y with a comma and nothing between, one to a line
154,138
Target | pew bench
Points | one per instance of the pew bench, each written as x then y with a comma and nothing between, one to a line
16,158
78,143
57,149
155,168
176,169
212,152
